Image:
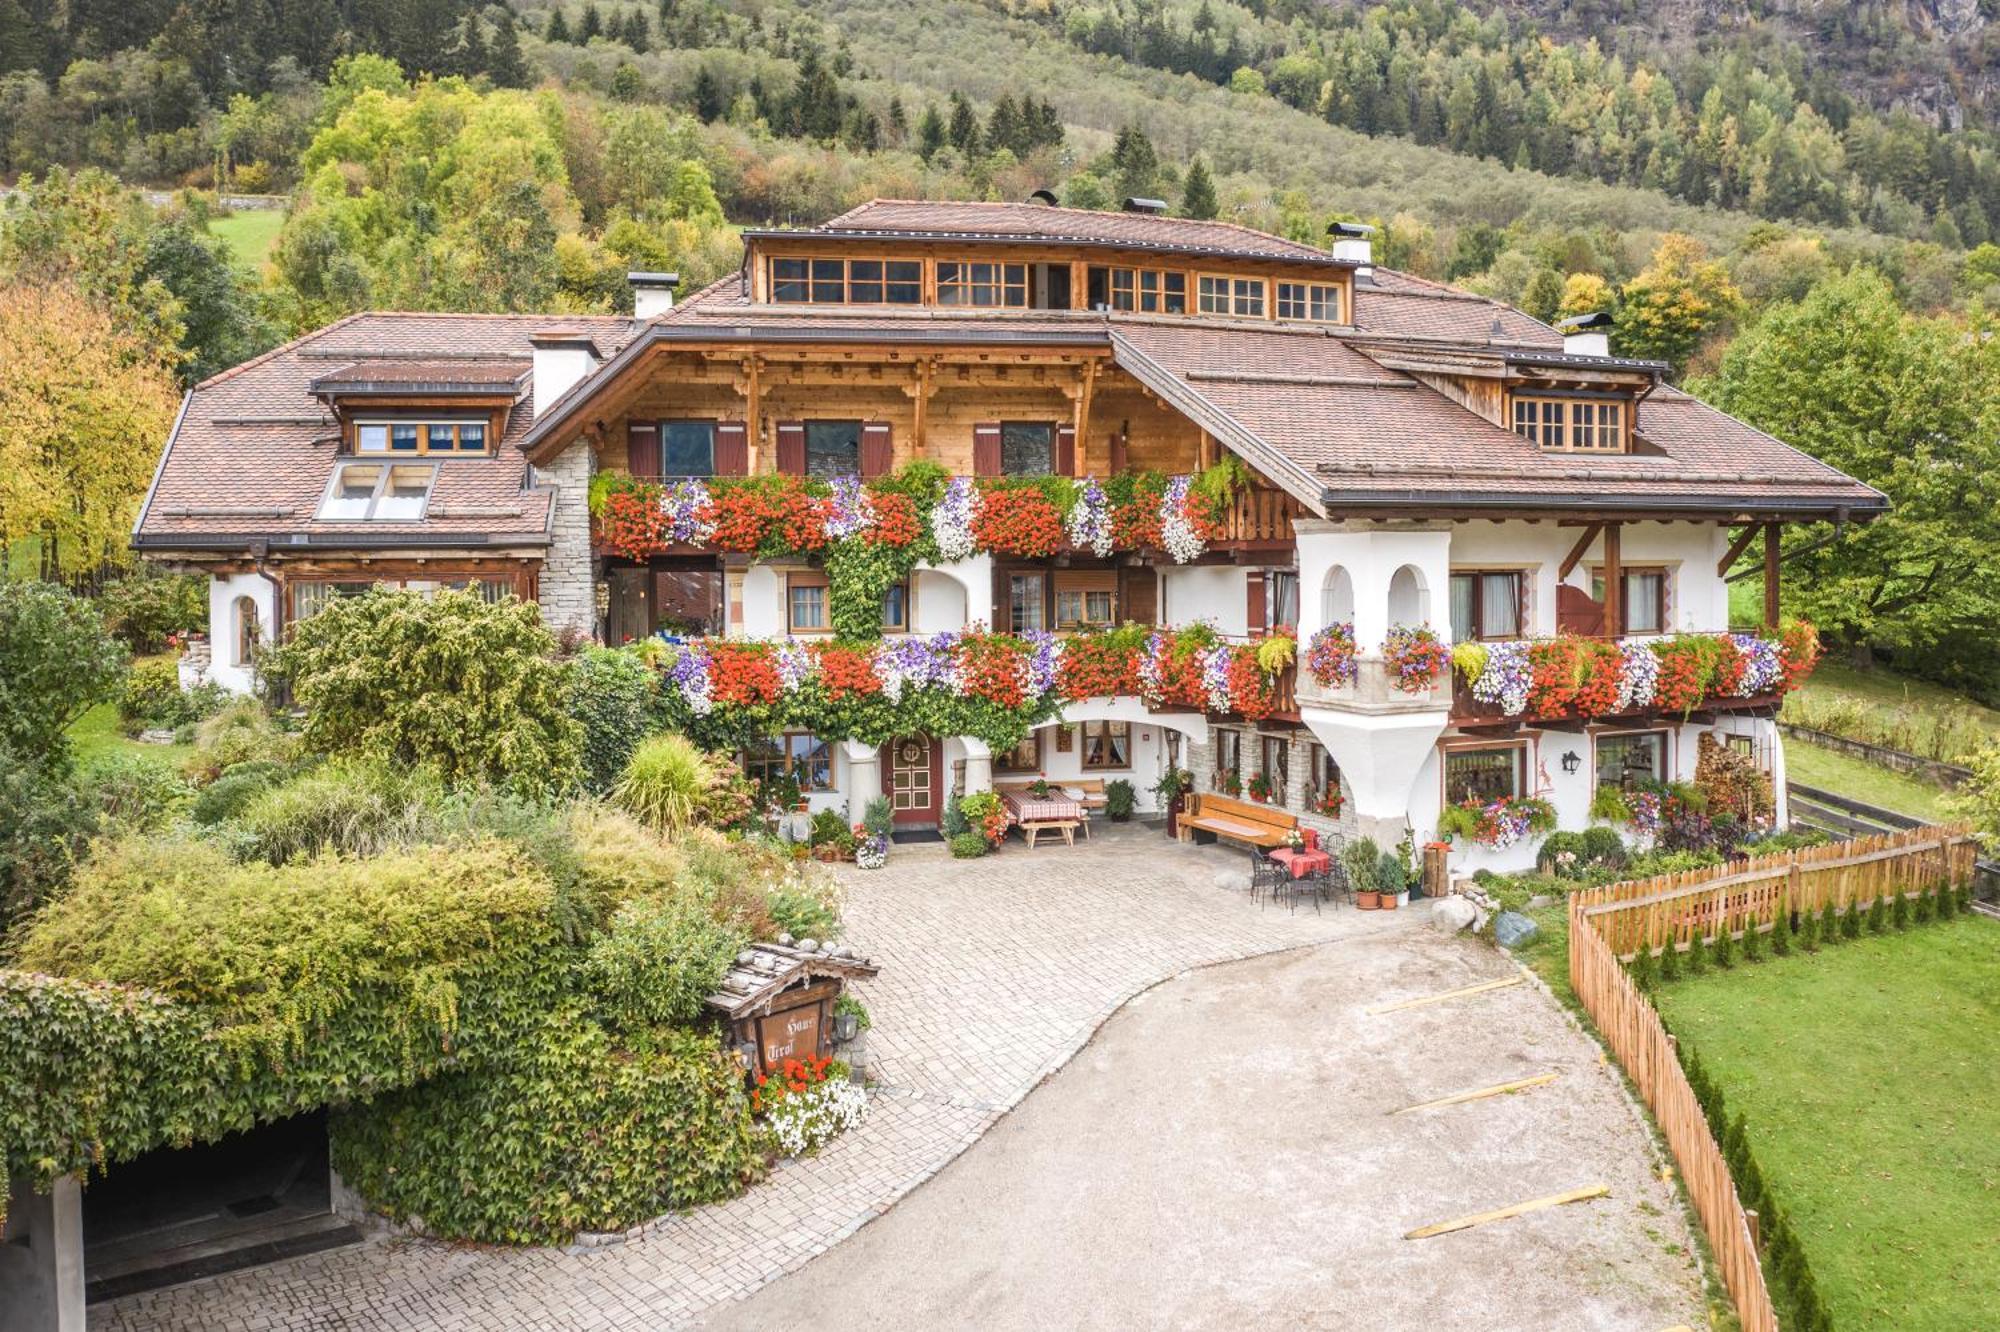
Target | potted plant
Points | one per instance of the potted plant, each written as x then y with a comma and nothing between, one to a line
1119,800
1329,803
1360,858
871,850
1039,788
1172,790
1390,880
1232,784
1260,788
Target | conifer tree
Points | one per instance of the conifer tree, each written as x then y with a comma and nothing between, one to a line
930,133
1829,924
1136,162
1697,955
1198,194
558,27
1670,963
504,62
898,120
964,128
1781,931
1753,943
1899,910
1003,126
1725,948
708,102
473,58
592,26
638,32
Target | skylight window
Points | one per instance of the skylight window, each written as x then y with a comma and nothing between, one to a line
378,492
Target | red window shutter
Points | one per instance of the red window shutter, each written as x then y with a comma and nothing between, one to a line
792,448
642,448
1065,450
1120,458
1255,613
986,449
732,448
878,453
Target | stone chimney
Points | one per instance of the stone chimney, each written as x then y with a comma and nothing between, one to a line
652,293
1352,242
562,357
1586,334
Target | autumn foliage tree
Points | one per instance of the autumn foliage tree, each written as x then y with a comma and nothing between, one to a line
84,406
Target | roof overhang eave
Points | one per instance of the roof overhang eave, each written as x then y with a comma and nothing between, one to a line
1722,508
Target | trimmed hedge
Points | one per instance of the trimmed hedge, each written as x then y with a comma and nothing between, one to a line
248,993
577,1132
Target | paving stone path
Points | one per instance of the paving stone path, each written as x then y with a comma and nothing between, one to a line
994,973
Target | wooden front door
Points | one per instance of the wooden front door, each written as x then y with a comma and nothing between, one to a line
912,778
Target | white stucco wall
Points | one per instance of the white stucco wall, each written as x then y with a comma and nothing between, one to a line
223,594
1697,597
1216,593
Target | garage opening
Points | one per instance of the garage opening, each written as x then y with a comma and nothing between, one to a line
179,1214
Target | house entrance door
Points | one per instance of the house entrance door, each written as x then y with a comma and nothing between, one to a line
910,778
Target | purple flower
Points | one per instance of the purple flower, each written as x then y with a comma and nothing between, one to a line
1090,520
951,519
1763,666
1506,678
1215,676
1038,668
795,664
685,505
1151,687
1638,677
851,511
690,674
1177,533
915,662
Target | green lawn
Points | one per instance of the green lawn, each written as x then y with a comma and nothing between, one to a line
250,233
1870,1075
1858,779
96,733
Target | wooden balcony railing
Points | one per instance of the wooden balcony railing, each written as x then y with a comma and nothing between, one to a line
1260,517
1466,710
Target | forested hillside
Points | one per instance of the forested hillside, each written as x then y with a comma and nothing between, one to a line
1736,205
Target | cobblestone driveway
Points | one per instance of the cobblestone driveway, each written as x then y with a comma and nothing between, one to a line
994,972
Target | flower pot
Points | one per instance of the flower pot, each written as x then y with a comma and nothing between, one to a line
1368,901
1389,900
1402,900
1174,808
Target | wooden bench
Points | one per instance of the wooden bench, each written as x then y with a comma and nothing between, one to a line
1242,821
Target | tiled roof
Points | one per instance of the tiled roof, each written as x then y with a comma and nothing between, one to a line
1397,305
491,375
1373,436
254,449
1042,222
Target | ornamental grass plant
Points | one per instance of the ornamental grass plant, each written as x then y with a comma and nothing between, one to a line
663,783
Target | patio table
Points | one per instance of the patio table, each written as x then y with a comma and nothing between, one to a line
1301,863
1034,815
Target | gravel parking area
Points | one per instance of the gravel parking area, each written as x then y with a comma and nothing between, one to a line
1224,1154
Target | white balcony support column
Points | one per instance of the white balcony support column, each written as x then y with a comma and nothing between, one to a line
864,777
1356,565
41,1258
1380,755
978,766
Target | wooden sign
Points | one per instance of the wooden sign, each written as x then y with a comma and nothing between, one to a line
792,1034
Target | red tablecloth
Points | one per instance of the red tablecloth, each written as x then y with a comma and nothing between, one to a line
1302,863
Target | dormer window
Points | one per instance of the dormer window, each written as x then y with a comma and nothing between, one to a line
1571,424
381,492
1243,297
982,284
421,437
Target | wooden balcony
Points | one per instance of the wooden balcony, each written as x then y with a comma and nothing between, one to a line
1469,713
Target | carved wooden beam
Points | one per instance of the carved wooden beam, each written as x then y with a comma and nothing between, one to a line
1576,552
1736,549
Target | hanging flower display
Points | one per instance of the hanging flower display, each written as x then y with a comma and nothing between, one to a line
1185,527
1638,677
1250,688
952,519
991,668
1506,677
1602,679
1215,663
743,673
1090,520
632,526
1039,664
849,511
1104,665
688,673
1763,664
848,672
1018,520
1330,655
688,512
895,520
914,662
1414,658
1555,669
1135,525
794,662
1152,670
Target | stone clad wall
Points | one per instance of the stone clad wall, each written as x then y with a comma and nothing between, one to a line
567,593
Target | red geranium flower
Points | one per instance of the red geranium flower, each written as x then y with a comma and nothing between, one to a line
896,522
1019,520
742,673
848,671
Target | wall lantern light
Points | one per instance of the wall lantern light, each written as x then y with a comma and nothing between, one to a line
1571,762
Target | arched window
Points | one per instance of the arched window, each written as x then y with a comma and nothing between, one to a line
1409,600
1336,597
249,630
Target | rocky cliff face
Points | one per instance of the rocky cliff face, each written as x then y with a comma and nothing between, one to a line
1937,59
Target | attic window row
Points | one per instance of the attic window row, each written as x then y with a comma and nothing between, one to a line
420,437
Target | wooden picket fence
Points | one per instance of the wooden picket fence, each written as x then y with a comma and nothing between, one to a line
1677,908
1669,910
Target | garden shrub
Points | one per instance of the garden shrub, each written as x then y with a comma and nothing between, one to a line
663,783
799,911
619,860
1670,963
470,687
611,697
49,823
1603,846
1724,952
352,806
1119,800
242,731
731,798
145,608
136,791
1753,943
1878,914
153,698
954,824
968,845
56,662
878,818
575,1131
829,828
226,796
660,958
